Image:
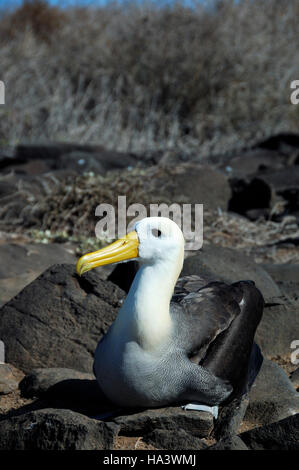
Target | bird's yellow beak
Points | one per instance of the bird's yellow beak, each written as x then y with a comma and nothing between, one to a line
123,249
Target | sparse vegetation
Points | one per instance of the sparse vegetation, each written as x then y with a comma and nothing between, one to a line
145,77
67,213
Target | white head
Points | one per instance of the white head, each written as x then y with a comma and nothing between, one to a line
154,240
159,239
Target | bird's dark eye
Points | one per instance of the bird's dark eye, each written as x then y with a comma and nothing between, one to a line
157,233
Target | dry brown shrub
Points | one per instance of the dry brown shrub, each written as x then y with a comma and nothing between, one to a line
34,15
143,78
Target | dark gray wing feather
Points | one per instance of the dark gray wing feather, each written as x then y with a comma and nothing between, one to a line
206,311
217,323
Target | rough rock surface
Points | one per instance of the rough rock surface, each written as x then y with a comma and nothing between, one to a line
198,185
66,388
57,320
229,265
21,264
281,435
39,381
272,396
54,429
175,439
277,329
16,259
229,443
284,179
7,381
249,162
287,278
69,155
197,423
283,272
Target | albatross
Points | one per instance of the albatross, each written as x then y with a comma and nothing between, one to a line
174,341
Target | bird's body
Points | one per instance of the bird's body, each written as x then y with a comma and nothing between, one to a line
182,367
171,345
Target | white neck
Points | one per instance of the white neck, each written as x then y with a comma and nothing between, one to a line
145,313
